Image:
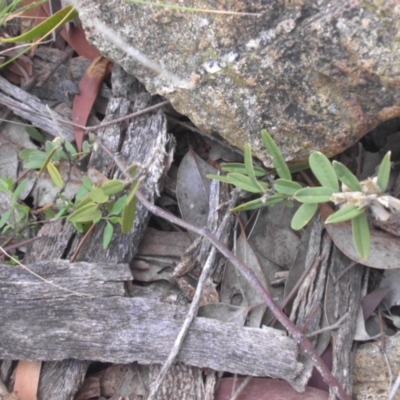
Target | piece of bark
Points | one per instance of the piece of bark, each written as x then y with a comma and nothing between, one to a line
70,372
343,296
307,307
99,279
123,330
29,107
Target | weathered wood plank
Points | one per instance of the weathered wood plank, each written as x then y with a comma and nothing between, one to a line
123,330
98,279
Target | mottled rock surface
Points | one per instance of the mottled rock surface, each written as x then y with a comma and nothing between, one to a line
317,74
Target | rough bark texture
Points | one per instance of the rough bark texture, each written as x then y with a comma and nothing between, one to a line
123,330
318,74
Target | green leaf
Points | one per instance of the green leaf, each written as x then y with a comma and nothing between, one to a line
258,203
83,202
132,193
323,170
248,162
85,147
81,193
118,206
19,189
245,183
241,169
113,187
279,163
384,172
361,235
36,160
34,134
286,187
55,175
49,156
70,148
107,235
303,215
128,215
86,213
346,176
115,220
26,153
5,217
6,185
87,183
98,196
46,27
344,214
314,194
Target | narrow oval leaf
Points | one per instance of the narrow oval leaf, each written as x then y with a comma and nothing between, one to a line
55,175
384,172
323,170
107,235
346,176
132,194
279,163
118,206
314,194
36,160
98,196
361,235
245,183
344,214
35,134
287,187
303,215
248,162
261,202
20,188
113,187
241,169
220,178
46,27
86,213
49,156
128,215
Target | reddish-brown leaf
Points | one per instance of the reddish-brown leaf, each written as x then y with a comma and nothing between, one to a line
266,389
89,87
27,379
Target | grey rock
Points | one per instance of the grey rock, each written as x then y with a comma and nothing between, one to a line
318,75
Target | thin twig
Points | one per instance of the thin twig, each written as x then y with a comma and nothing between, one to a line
336,325
395,388
241,387
192,312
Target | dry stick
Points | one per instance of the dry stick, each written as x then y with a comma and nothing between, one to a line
190,316
249,275
194,306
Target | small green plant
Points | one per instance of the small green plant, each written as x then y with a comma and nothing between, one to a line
354,197
107,201
17,215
